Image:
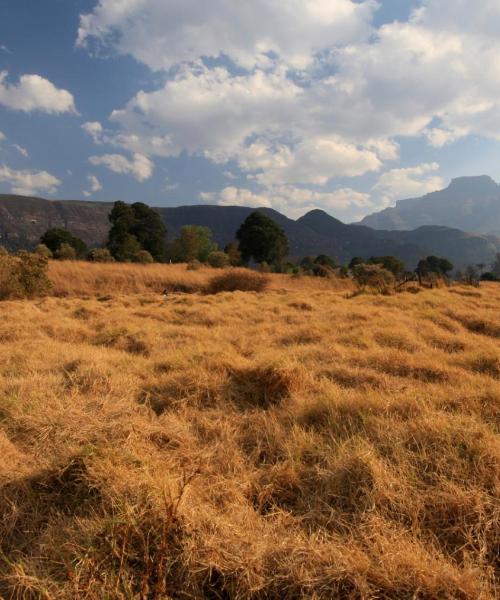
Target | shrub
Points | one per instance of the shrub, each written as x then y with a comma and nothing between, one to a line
23,276
100,255
374,276
44,250
143,257
218,259
66,252
237,280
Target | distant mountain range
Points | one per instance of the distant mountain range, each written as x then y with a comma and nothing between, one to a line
468,203
24,219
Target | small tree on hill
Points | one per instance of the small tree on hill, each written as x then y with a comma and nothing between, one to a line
262,239
374,276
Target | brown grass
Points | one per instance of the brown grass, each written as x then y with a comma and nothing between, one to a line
290,444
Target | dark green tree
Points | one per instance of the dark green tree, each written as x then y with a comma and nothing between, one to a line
134,228
149,230
262,239
355,261
55,238
326,261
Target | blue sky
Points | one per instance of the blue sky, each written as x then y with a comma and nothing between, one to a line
295,104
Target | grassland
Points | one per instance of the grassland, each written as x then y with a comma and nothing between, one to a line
302,442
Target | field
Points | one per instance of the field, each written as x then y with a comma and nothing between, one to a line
301,442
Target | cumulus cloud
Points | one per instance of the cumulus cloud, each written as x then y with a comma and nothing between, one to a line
34,93
27,183
94,186
302,92
293,201
162,34
140,167
408,183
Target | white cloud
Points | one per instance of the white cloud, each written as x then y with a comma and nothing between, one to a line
162,34
34,93
412,182
292,201
21,150
27,183
4,48
140,167
3,137
319,92
94,185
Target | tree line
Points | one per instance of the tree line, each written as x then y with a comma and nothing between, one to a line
138,234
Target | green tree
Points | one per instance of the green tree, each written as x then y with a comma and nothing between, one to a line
355,261
149,230
262,239
326,261
194,243
100,255
55,238
233,253
134,228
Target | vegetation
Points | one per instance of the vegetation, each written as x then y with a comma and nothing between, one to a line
136,228
290,443
100,255
194,243
237,280
23,275
54,239
262,240
218,259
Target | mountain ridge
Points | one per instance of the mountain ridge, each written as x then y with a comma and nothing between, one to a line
469,203
24,219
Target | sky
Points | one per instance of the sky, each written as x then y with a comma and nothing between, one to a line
341,105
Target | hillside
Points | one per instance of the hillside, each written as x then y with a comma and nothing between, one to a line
298,443
23,220
468,203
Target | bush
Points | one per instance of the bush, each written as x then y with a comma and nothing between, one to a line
374,276
66,252
237,280
43,250
218,259
23,276
102,255
144,258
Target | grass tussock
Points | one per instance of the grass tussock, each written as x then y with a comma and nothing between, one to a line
289,444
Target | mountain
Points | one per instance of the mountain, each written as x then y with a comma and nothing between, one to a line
24,219
468,203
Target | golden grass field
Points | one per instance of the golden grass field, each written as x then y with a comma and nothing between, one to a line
302,442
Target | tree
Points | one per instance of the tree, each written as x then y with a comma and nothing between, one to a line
55,238
218,259
374,276
149,230
234,254
355,261
144,257
262,239
326,261
433,265
194,243
134,228
391,263
472,276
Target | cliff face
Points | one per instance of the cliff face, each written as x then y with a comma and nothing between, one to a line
23,220
468,203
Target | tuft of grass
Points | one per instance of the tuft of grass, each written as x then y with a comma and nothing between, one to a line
234,280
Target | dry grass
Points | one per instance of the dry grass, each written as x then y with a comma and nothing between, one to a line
294,443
